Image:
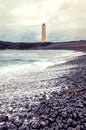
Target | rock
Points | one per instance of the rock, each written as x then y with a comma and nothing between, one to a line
27,105
35,124
28,128
44,117
69,121
13,129
21,116
64,114
82,127
56,128
78,127
84,124
80,115
60,125
51,119
74,115
74,123
65,126
12,126
4,127
85,115
54,124
84,102
26,122
29,109
30,115
84,98
53,116
18,122
80,105
69,110
2,123
25,115
43,123
69,128
3,118
10,110
22,128
52,128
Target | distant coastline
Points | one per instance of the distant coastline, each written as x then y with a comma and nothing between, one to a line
70,45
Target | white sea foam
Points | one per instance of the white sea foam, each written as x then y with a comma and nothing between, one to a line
28,72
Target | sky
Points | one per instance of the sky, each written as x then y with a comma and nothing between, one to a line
21,20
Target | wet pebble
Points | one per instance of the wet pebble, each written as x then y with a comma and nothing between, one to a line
3,118
43,123
64,114
18,122
34,124
69,121
3,127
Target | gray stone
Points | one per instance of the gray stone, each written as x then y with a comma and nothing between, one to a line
78,127
12,126
69,128
69,121
80,105
74,123
4,127
82,127
80,115
26,122
22,128
56,128
84,124
84,102
30,115
27,105
44,117
52,128
73,128
60,125
18,122
43,123
29,109
53,116
35,124
51,119
74,115
69,110
12,129
2,123
64,114
3,118
84,98
10,110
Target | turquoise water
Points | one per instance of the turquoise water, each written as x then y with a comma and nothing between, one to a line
16,57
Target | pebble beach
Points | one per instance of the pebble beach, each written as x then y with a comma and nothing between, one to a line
57,111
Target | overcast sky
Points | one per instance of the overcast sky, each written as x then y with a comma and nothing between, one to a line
21,20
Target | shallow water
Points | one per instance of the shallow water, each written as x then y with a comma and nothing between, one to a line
26,73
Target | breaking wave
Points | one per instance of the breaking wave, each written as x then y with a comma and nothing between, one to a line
25,73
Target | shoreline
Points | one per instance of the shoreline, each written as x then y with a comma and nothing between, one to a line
70,45
58,112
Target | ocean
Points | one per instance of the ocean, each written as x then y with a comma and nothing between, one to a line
24,73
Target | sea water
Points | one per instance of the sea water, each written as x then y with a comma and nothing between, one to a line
30,72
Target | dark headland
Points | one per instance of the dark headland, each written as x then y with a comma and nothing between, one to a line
71,45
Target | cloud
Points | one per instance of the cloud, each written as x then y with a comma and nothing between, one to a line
65,20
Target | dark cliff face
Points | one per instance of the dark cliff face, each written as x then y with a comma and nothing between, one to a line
73,45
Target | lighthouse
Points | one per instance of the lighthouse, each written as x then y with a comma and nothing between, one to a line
43,33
